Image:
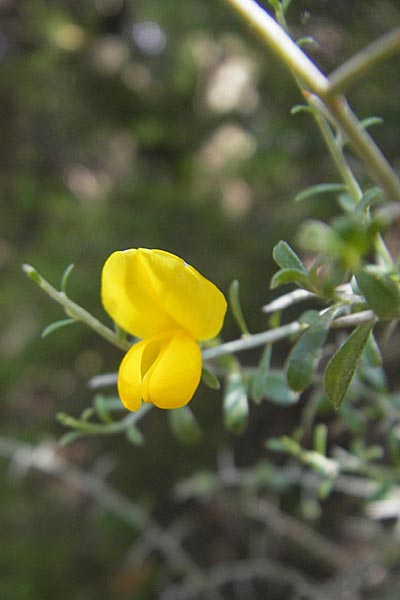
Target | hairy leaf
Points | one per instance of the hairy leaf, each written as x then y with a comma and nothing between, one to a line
343,364
235,404
381,293
306,353
287,258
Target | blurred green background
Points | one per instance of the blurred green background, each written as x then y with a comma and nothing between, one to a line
156,123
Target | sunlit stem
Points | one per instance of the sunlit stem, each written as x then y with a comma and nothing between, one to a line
279,333
281,43
75,311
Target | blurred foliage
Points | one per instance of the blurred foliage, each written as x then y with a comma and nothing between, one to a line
159,123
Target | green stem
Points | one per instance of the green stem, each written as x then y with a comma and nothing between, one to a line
362,62
282,44
90,428
364,146
290,54
75,311
335,150
274,335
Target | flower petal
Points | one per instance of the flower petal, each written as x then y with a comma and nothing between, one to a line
190,299
130,377
175,375
129,297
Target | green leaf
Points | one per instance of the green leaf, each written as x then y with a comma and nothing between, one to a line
284,276
277,390
370,121
372,353
320,188
69,421
234,302
320,238
346,202
31,273
286,257
70,437
381,293
235,403
306,353
276,444
56,325
320,438
297,108
210,379
65,277
285,5
306,40
134,436
275,4
368,198
308,316
184,425
343,364
102,408
260,380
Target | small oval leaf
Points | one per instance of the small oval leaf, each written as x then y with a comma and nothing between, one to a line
343,364
287,258
277,389
184,425
235,405
134,436
259,383
306,353
381,293
284,276
210,379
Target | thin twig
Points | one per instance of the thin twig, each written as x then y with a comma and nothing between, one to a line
274,335
286,300
75,311
363,62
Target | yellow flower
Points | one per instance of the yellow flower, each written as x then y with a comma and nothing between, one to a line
156,296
